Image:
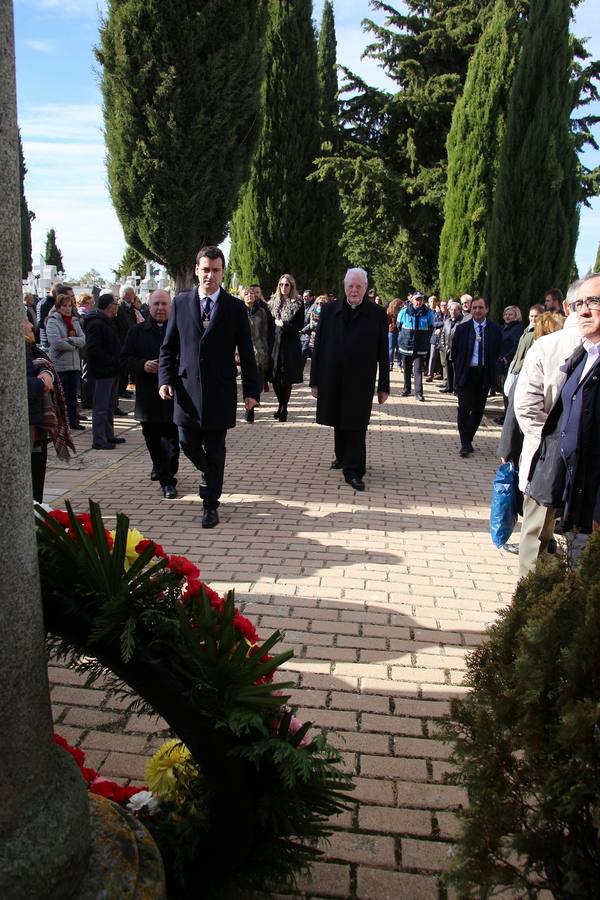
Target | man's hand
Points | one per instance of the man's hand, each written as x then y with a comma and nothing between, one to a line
47,380
151,366
165,392
382,396
315,392
249,403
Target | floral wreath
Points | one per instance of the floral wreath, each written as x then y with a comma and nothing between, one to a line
241,796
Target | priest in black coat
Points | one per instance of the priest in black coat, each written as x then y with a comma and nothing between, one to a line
206,328
350,354
140,357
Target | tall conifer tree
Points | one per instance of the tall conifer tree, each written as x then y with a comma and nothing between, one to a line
277,225
330,274
597,263
535,216
181,89
52,254
26,218
476,133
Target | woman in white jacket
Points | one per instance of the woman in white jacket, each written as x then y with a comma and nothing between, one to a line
66,338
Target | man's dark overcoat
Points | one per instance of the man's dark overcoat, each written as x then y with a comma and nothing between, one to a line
463,343
199,362
345,359
142,343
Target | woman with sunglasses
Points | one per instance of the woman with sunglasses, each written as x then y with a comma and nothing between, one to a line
287,309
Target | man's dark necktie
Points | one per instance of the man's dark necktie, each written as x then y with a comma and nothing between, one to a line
480,345
206,313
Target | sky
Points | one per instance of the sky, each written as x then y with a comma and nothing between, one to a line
60,116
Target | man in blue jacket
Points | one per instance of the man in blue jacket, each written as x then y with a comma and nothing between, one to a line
475,351
197,367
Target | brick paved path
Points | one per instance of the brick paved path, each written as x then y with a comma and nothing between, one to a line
380,594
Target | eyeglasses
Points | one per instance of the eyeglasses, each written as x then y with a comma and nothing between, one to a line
592,303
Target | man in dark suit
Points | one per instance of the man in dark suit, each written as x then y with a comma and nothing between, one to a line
475,351
140,357
197,367
350,349
125,320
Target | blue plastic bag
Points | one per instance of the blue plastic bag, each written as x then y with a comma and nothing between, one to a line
503,511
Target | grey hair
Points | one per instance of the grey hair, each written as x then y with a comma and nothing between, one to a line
574,288
453,303
357,271
124,289
466,297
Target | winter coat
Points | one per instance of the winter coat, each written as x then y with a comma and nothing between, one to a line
463,344
538,386
64,350
103,345
125,319
415,326
287,351
565,472
258,318
438,324
448,333
143,342
511,335
198,361
347,357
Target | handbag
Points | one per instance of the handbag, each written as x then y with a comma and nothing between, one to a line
503,507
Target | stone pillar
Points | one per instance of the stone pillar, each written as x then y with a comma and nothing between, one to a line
44,815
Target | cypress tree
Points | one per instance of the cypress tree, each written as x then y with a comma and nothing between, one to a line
597,263
330,275
26,219
52,254
277,225
132,261
181,87
535,216
477,130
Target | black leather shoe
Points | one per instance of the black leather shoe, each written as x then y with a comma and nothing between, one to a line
464,451
210,518
405,394
120,412
117,440
77,427
103,447
356,483
336,464
154,474
169,491
277,413
444,390
283,415
421,398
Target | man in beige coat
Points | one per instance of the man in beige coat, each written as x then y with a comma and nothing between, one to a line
538,386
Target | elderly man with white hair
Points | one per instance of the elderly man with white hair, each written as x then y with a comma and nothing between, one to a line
349,354
126,319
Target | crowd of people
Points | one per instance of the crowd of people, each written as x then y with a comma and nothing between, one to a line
183,356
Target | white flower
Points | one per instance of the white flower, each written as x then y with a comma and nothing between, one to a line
143,801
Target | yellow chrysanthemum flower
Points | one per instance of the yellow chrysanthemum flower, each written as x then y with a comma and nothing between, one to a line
133,538
165,770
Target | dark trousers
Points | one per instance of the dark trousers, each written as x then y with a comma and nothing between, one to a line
39,459
162,441
351,450
103,404
70,383
471,404
413,364
206,450
283,392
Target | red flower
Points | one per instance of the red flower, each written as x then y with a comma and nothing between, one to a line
214,599
79,757
158,550
192,589
182,566
245,628
60,516
113,791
